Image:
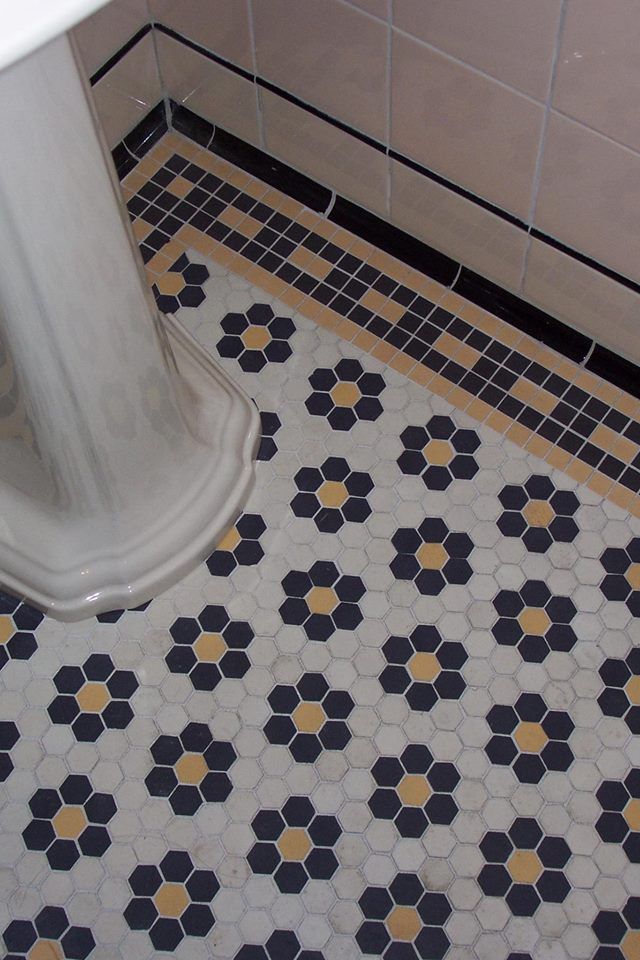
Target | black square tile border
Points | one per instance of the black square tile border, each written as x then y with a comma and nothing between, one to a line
488,373
484,293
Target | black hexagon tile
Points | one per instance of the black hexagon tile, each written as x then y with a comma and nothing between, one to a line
70,822
404,920
309,717
439,452
50,936
18,622
294,845
93,697
618,932
432,556
345,394
530,738
209,647
171,900
322,600
622,575
280,945
619,821
240,546
524,866
621,694
534,621
414,790
332,494
181,285
256,338
191,769
423,667
539,513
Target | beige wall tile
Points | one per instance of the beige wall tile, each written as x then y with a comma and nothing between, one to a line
457,226
466,127
128,91
327,53
208,89
599,68
589,196
325,153
512,40
584,298
219,25
100,35
379,8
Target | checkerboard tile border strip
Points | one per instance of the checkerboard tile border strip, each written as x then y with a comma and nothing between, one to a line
181,196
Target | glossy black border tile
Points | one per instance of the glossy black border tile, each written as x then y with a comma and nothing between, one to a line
394,241
538,324
119,54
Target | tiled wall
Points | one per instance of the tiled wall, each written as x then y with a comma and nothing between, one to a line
529,106
126,93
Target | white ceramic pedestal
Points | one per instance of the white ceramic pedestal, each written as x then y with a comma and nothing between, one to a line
124,450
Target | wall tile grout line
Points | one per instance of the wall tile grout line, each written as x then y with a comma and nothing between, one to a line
537,176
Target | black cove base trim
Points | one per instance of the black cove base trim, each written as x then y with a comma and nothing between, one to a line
433,263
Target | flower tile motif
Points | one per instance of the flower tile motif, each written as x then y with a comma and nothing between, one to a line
209,647
345,394
338,757
524,866
618,932
181,285
69,822
93,698
309,717
256,338
539,513
281,945
439,452
270,423
432,556
294,845
404,920
49,937
171,900
621,695
619,821
240,546
622,575
534,620
191,769
322,600
414,790
332,494
423,667
530,738
18,622
9,736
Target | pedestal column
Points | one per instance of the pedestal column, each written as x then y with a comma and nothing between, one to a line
124,450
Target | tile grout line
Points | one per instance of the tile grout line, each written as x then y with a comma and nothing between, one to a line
537,176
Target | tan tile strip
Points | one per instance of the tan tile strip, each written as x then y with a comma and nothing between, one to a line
481,412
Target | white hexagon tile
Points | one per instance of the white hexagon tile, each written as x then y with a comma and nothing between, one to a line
395,714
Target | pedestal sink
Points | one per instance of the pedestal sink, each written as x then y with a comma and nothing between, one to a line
125,452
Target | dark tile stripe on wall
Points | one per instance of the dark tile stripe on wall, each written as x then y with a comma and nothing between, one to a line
484,293
119,54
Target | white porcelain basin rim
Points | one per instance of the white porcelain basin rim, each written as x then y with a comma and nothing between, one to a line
28,24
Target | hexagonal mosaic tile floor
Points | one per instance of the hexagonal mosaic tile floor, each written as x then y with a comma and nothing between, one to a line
395,714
